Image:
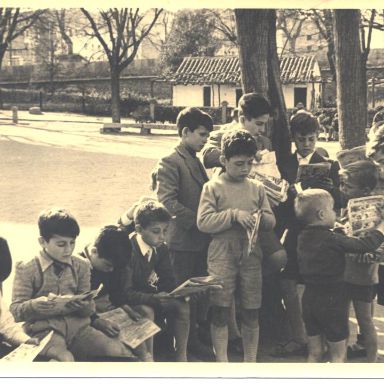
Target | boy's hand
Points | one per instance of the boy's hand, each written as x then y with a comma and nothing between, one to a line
132,314
163,297
77,305
33,341
367,258
106,326
245,219
43,306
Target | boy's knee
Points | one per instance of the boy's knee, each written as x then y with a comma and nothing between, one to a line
113,348
250,317
59,354
220,316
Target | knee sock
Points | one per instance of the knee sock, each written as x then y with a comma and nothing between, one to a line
220,342
250,342
181,331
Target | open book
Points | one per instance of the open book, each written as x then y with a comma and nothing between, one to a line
27,352
132,333
364,213
196,284
252,235
319,171
348,156
63,300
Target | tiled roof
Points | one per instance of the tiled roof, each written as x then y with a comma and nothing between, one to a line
226,70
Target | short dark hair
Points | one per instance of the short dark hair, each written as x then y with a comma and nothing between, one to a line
304,123
253,105
57,221
113,244
238,142
192,118
363,173
151,212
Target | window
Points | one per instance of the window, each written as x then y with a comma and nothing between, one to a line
309,37
206,96
239,93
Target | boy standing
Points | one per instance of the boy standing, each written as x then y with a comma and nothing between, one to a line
180,179
321,258
56,271
304,130
225,211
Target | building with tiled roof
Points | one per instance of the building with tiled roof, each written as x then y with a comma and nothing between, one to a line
208,81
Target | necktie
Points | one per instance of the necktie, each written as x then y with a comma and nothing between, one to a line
58,268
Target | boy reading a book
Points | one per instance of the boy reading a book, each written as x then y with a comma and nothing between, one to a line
56,270
359,179
150,278
226,212
108,255
321,258
10,332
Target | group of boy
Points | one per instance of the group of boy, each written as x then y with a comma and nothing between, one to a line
198,227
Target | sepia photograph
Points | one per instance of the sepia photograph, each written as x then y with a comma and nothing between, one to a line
192,185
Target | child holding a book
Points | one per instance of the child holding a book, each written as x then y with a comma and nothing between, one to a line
321,258
226,212
357,180
56,270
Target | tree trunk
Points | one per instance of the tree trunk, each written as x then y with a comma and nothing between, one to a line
115,91
351,90
260,69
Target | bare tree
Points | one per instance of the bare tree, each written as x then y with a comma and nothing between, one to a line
62,23
13,23
260,68
120,33
225,24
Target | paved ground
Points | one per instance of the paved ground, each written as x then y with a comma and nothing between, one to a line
63,160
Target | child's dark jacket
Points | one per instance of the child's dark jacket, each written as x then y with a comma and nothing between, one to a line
321,253
139,285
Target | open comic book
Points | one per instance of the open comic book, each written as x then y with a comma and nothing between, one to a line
63,300
267,173
365,213
348,156
132,332
195,285
252,235
27,352
319,171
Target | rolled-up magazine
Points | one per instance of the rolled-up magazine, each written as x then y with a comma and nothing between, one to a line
253,234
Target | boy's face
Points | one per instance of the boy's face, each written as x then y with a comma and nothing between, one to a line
154,234
99,263
351,189
195,139
238,167
256,125
305,144
60,248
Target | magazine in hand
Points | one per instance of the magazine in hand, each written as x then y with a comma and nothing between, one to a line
63,300
196,285
364,213
348,156
319,171
253,235
27,352
267,173
132,333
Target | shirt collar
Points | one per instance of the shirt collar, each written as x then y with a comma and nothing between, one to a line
307,158
144,247
46,261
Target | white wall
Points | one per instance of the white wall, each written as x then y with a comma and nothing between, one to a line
188,95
